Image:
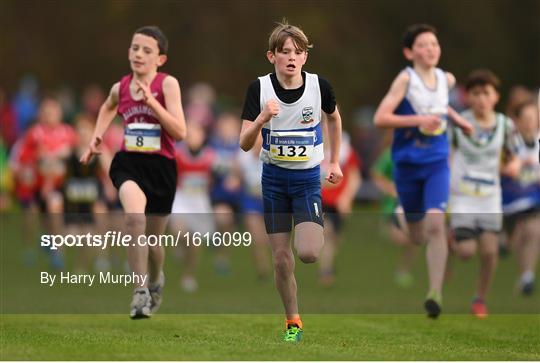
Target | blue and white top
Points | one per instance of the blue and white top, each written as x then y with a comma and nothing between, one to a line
523,193
293,139
412,145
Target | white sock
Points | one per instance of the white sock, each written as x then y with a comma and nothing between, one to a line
527,277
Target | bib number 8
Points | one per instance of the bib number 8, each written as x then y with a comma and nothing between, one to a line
142,137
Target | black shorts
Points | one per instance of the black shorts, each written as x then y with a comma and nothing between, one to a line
511,220
465,233
154,174
42,201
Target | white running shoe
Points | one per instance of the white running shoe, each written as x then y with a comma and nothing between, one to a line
156,293
140,305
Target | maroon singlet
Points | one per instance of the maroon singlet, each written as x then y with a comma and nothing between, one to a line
137,112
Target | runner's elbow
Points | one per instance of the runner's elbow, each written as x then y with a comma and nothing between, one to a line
380,120
244,142
180,134
244,145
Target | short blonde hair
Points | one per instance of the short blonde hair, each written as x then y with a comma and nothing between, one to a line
283,31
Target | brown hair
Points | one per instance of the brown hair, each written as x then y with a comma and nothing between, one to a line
156,33
283,31
482,77
523,105
414,31
518,94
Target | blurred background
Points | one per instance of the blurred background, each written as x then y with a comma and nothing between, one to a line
58,60
78,50
357,44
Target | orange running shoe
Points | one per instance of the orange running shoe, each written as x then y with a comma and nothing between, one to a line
479,309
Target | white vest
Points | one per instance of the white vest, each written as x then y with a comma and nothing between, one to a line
476,162
427,101
293,139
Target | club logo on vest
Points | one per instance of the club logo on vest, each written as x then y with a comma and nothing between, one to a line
307,115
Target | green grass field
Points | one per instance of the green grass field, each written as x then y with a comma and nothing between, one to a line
365,316
256,337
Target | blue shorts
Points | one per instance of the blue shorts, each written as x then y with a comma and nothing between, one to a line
219,194
251,204
290,195
422,187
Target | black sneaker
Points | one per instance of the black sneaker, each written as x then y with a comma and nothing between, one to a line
433,305
527,288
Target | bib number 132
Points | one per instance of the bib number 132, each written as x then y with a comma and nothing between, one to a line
291,146
291,151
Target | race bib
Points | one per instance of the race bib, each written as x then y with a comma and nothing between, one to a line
195,184
291,145
529,174
81,191
477,184
442,113
143,137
